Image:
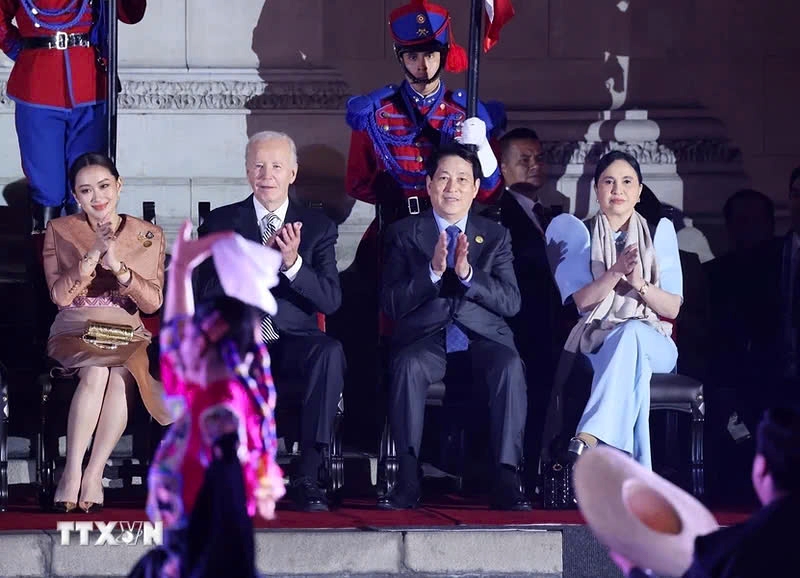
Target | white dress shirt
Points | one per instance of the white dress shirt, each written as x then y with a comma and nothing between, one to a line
280,212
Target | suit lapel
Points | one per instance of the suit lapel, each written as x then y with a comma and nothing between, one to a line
513,212
292,213
427,233
247,222
519,219
476,236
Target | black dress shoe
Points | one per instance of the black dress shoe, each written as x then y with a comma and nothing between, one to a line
507,495
308,496
402,497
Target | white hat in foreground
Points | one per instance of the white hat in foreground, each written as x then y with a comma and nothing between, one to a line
637,513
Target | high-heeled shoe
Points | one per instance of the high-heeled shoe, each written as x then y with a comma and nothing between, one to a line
91,507
64,507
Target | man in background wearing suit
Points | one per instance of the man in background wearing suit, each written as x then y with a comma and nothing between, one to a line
537,329
302,355
448,283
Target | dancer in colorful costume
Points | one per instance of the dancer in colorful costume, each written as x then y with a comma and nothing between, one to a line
215,468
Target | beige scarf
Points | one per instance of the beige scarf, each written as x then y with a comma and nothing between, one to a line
624,302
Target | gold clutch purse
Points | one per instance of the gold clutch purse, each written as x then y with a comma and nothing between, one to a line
107,335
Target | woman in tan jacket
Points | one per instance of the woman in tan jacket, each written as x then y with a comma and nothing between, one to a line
101,268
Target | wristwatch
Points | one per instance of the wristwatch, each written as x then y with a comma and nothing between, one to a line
643,288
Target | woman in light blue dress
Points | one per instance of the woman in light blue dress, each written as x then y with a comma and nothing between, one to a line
624,280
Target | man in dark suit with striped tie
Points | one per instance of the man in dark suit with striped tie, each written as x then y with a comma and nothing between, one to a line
302,355
448,284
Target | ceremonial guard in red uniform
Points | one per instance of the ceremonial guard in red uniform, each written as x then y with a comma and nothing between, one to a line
58,84
395,128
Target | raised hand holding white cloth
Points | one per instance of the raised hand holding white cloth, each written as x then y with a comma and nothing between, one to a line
247,271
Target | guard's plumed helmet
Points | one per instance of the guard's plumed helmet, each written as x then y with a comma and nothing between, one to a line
422,26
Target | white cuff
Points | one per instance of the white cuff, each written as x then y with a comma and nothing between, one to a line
292,271
434,277
468,280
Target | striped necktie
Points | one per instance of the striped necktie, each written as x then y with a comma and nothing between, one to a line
269,224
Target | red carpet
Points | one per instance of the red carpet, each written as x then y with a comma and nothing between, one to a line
446,511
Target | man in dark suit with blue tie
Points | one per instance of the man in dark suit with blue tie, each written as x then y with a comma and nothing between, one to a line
449,284
302,355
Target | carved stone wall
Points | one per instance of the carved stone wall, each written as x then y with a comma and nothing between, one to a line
720,83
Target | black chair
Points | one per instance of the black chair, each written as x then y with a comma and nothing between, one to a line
458,413
675,394
57,387
331,475
453,434
672,392
23,330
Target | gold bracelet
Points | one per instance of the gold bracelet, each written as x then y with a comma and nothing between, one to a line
123,268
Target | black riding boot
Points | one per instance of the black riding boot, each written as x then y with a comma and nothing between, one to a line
41,215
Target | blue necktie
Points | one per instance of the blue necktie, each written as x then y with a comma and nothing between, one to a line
455,338
452,238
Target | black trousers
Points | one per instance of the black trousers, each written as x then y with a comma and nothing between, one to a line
309,369
497,367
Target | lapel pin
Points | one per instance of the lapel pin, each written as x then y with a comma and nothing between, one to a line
145,238
479,239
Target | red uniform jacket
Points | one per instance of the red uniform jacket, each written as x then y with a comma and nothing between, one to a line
369,176
50,77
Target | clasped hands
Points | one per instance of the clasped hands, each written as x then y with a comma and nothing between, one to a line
104,250
287,241
627,267
460,261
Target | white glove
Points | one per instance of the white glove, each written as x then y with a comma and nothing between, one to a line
473,132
